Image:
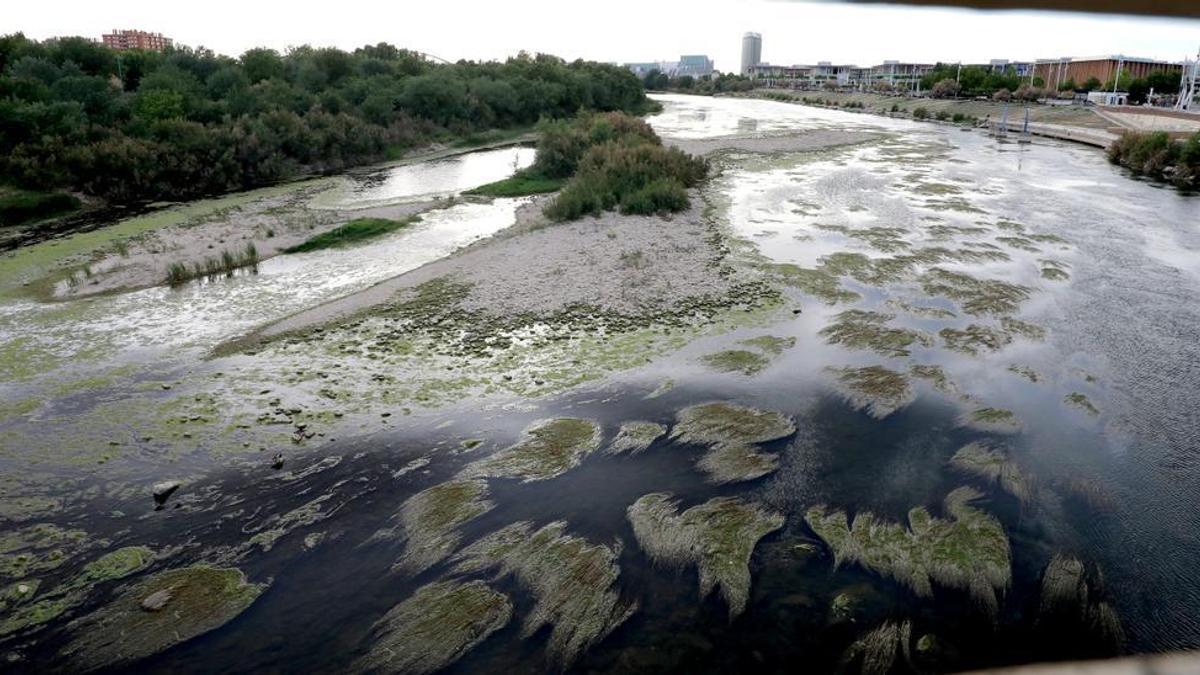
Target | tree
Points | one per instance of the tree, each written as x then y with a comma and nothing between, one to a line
946,88
1092,84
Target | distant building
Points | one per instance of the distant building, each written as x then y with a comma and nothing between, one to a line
669,68
137,39
1056,72
696,65
898,74
751,51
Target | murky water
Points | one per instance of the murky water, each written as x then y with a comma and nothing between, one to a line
1116,486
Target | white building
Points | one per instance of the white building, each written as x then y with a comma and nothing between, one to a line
751,51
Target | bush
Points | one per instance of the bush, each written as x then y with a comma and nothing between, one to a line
1156,155
946,88
1002,95
920,114
19,207
622,163
942,115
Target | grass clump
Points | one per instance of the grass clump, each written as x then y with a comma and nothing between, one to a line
18,207
874,389
548,449
353,232
213,266
732,434
520,184
431,519
1158,156
969,551
717,536
613,161
862,329
992,465
435,627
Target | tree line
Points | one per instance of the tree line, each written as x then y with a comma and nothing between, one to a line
141,125
947,79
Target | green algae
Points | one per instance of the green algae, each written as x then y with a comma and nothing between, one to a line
936,376
921,311
718,537
197,600
111,566
737,361
1023,328
969,551
279,525
1082,402
861,329
977,297
874,389
571,579
431,518
991,464
731,434
36,614
877,652
634,437
885,239
1054,270
548,448
435,627
996,420
975,339
1025,372
18,593
39,548
818,283
770,344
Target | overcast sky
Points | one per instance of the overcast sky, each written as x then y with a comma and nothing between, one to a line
620,30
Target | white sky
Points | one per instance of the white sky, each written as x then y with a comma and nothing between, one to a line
620,30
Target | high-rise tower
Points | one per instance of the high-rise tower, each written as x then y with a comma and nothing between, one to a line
751,51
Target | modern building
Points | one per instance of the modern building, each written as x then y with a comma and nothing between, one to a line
696,65
1104,68
899,75
668,68
751,51
137,39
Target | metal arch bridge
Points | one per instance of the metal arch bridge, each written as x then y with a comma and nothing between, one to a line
432,57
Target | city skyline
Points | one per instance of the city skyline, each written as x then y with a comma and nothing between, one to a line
793,32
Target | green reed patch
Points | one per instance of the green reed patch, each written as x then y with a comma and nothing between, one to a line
353,232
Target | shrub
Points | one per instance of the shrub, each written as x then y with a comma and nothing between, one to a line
946,88
942,115
920,114
19,206
1002,95
657,196
1156,155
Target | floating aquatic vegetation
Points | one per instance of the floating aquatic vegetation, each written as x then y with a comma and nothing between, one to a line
278,525
1025,372
1067,594
1023,328
635,437
921,311
38,548
662,388
991,464
1055,270
1047,238
732,433
944,231
876,652
158,612
1020,243
968,552
547,449
737,361
977,296
717,536
770,344
110,566
996,420
431,519
974,339
1010,226
818,283
958,204
1082,402
936,376
862,329
18,593
885,239
874,389
435,627
571,579
978,252
934,188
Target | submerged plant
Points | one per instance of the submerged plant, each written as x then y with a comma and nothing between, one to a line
977,296
968,552
1082,402
991,464
435,627
717,536
547,449
861,329
874,389
431,518
634,437
732,433
571,579
876,652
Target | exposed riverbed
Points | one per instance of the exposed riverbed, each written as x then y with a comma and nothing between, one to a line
889,393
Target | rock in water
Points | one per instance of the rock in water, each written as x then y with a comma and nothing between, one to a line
435,627
717,536
156,600
201,599
164,490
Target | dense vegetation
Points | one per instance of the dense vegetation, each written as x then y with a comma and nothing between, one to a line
613,161
947,80
135,125
21,206
716,83
359,229
1158,156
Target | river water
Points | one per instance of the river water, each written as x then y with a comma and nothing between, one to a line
1115,482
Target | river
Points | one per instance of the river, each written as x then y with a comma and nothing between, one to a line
1082,349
